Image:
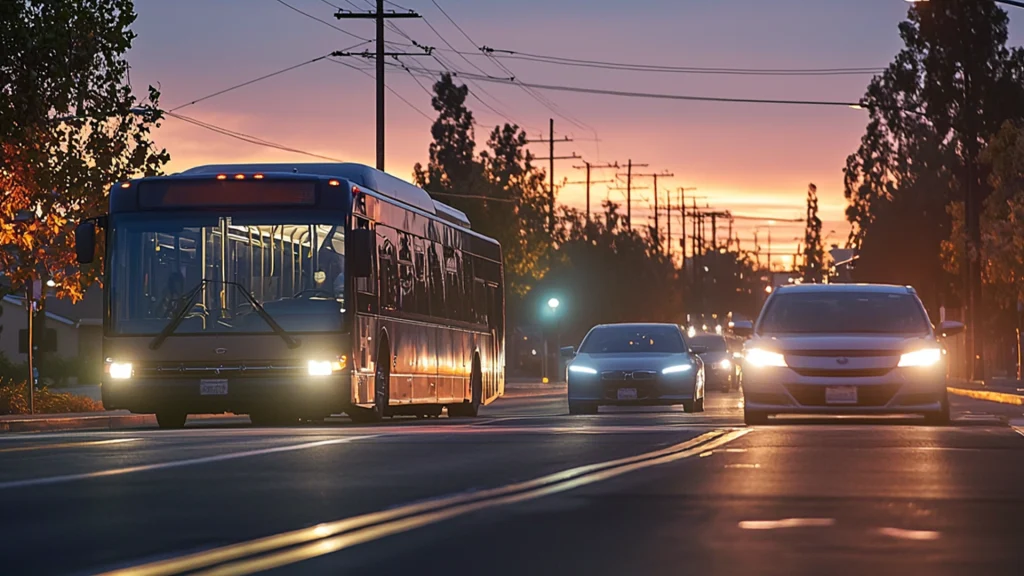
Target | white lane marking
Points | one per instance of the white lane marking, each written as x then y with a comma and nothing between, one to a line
742,465
787,523
305,543
735,450
54,446
1019,430
173,464
706,454
920,535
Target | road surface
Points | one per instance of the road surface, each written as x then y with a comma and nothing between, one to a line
525,489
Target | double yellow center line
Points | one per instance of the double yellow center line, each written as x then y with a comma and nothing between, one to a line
299,545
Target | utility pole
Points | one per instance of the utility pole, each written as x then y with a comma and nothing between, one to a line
550,141
588,166
655,175
682,217
629,191
380,17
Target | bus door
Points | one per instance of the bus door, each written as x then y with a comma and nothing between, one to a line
364,328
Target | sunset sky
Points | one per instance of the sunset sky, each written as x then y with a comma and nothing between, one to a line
751,159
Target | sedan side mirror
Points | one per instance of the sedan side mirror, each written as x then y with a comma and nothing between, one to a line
950,328
743,328
568,352
698,349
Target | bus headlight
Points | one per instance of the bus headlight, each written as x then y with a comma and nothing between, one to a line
119,370
326,367
921,358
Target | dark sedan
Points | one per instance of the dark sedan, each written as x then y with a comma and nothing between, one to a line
634,365
719,361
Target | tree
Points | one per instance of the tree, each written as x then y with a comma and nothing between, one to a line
925,127
814,253
70,126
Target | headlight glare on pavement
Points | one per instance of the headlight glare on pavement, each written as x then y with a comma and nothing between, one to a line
921,358
764,358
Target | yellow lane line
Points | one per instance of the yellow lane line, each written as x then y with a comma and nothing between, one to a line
989,396
68,445
396,516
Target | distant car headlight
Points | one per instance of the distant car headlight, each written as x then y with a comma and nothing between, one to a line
677,369
582,369
737,355
763,358
725,364
921,358
119,370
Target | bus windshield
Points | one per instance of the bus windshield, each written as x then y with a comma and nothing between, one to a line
292,264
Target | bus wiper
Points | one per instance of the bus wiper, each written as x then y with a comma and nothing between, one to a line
189,301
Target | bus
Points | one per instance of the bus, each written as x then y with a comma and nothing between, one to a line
293,292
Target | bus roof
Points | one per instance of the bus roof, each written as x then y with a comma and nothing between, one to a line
359,174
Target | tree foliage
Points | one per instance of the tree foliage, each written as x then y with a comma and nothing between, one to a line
70,126
925,124
814,252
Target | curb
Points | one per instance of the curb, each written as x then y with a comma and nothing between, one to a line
1000,397
99,422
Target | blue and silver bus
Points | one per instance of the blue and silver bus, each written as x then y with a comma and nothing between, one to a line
292,292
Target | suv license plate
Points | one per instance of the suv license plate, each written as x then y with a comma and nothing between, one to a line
841,395
213,387
627,394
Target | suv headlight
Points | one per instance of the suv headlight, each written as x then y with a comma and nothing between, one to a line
921,358
763,358
582,369
677,369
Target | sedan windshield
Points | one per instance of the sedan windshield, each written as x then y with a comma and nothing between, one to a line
712,342
292,265
633,339
844,313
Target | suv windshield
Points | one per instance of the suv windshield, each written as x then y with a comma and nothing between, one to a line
292,265
844,313
712,342
632,339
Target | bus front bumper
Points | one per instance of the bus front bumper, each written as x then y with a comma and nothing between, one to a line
320,396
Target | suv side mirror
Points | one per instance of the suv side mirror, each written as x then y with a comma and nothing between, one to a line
950,328
743,328
359,252
85,242
568,352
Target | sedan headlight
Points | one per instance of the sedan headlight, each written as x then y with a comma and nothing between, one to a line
679,368
119,370
921,358
763,358
582,369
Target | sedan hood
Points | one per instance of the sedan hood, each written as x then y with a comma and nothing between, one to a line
655,362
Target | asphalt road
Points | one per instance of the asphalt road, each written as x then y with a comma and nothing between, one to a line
525,489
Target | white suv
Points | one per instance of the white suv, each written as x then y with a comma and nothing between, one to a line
845,349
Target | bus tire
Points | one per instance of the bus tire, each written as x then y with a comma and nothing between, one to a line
382,381
472,408
171,420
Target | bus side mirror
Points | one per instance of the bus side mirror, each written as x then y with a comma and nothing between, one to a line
360,252
85,242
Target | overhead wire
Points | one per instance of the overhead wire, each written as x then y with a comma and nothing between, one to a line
389,88
246,137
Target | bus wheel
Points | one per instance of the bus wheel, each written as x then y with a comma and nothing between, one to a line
382,383
168,420
470,409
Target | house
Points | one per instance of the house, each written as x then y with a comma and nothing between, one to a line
72,331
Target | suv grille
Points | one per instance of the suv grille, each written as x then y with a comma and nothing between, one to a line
841,373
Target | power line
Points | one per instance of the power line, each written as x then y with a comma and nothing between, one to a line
324,22
634,67
659,96
389,88
246,137
259,79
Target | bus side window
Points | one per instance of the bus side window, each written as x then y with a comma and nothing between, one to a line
367,285
421,288
388,269
406,274
467,288
452,286
436,281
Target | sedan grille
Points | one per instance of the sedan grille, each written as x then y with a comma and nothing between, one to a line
628,376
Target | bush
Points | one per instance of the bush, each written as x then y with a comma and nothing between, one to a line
13,400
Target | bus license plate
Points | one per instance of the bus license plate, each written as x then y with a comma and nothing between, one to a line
213,387
841,395
627,393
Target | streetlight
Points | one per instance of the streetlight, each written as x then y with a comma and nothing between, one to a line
553,304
